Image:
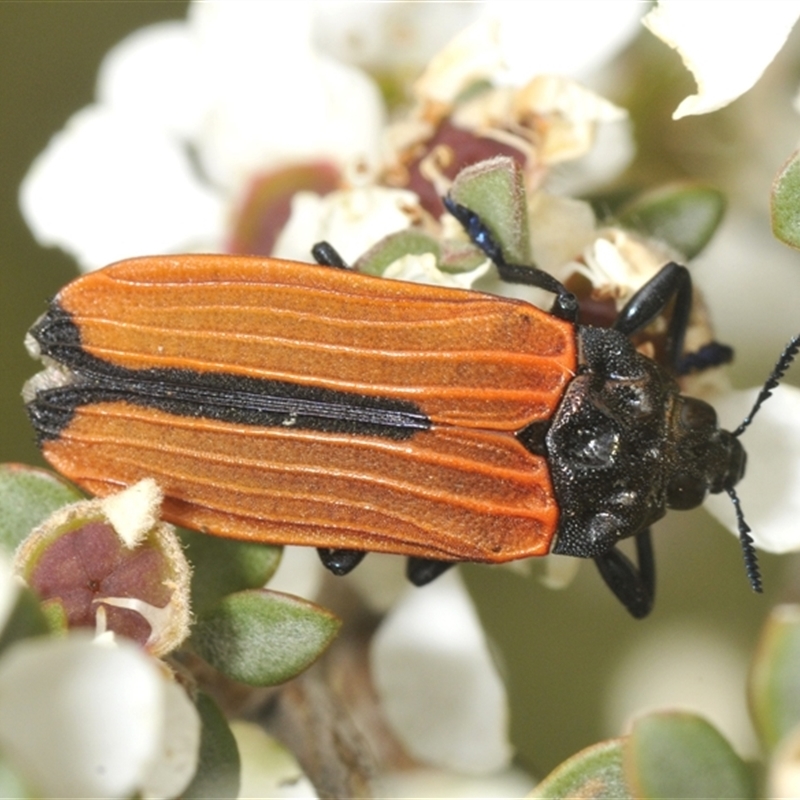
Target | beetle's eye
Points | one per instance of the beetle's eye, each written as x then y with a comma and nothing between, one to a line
686,491
697,415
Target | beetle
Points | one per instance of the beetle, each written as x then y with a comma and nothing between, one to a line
306,404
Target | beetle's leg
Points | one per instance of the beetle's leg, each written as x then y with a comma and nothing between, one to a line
565,305
673,281
340,561
423,570
327,255
713,354
635,587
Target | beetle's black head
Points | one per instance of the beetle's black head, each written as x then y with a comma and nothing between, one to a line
704,458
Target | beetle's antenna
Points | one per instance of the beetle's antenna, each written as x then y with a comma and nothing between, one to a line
748,551
565,305
778,371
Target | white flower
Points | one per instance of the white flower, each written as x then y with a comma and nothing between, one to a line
727,46
109,186
79,719
430,660
438,683
187,115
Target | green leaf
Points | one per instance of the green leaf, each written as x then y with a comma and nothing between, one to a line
394,246
785,202
494,190
219,766
594,773
263,638
672,754
28,495
684,215
774,684
224,566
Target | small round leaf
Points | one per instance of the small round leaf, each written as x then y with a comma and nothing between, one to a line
263,638
494,190
684,215
223,566
785,202
676,755
27,496
595,773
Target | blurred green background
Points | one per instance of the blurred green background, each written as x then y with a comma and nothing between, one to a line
560,650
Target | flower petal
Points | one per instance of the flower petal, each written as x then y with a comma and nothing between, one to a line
472,55
154,74
258,118
554,37
268,768
108,187
725,45
770,490
81,720
384,36
134,511
178,746
437,682
560,227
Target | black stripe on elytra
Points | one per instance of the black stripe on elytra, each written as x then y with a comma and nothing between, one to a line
211,395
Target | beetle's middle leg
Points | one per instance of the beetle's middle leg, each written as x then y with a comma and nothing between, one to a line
634,586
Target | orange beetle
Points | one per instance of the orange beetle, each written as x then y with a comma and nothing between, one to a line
302,404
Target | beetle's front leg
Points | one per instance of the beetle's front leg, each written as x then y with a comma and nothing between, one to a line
634,586
673,281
